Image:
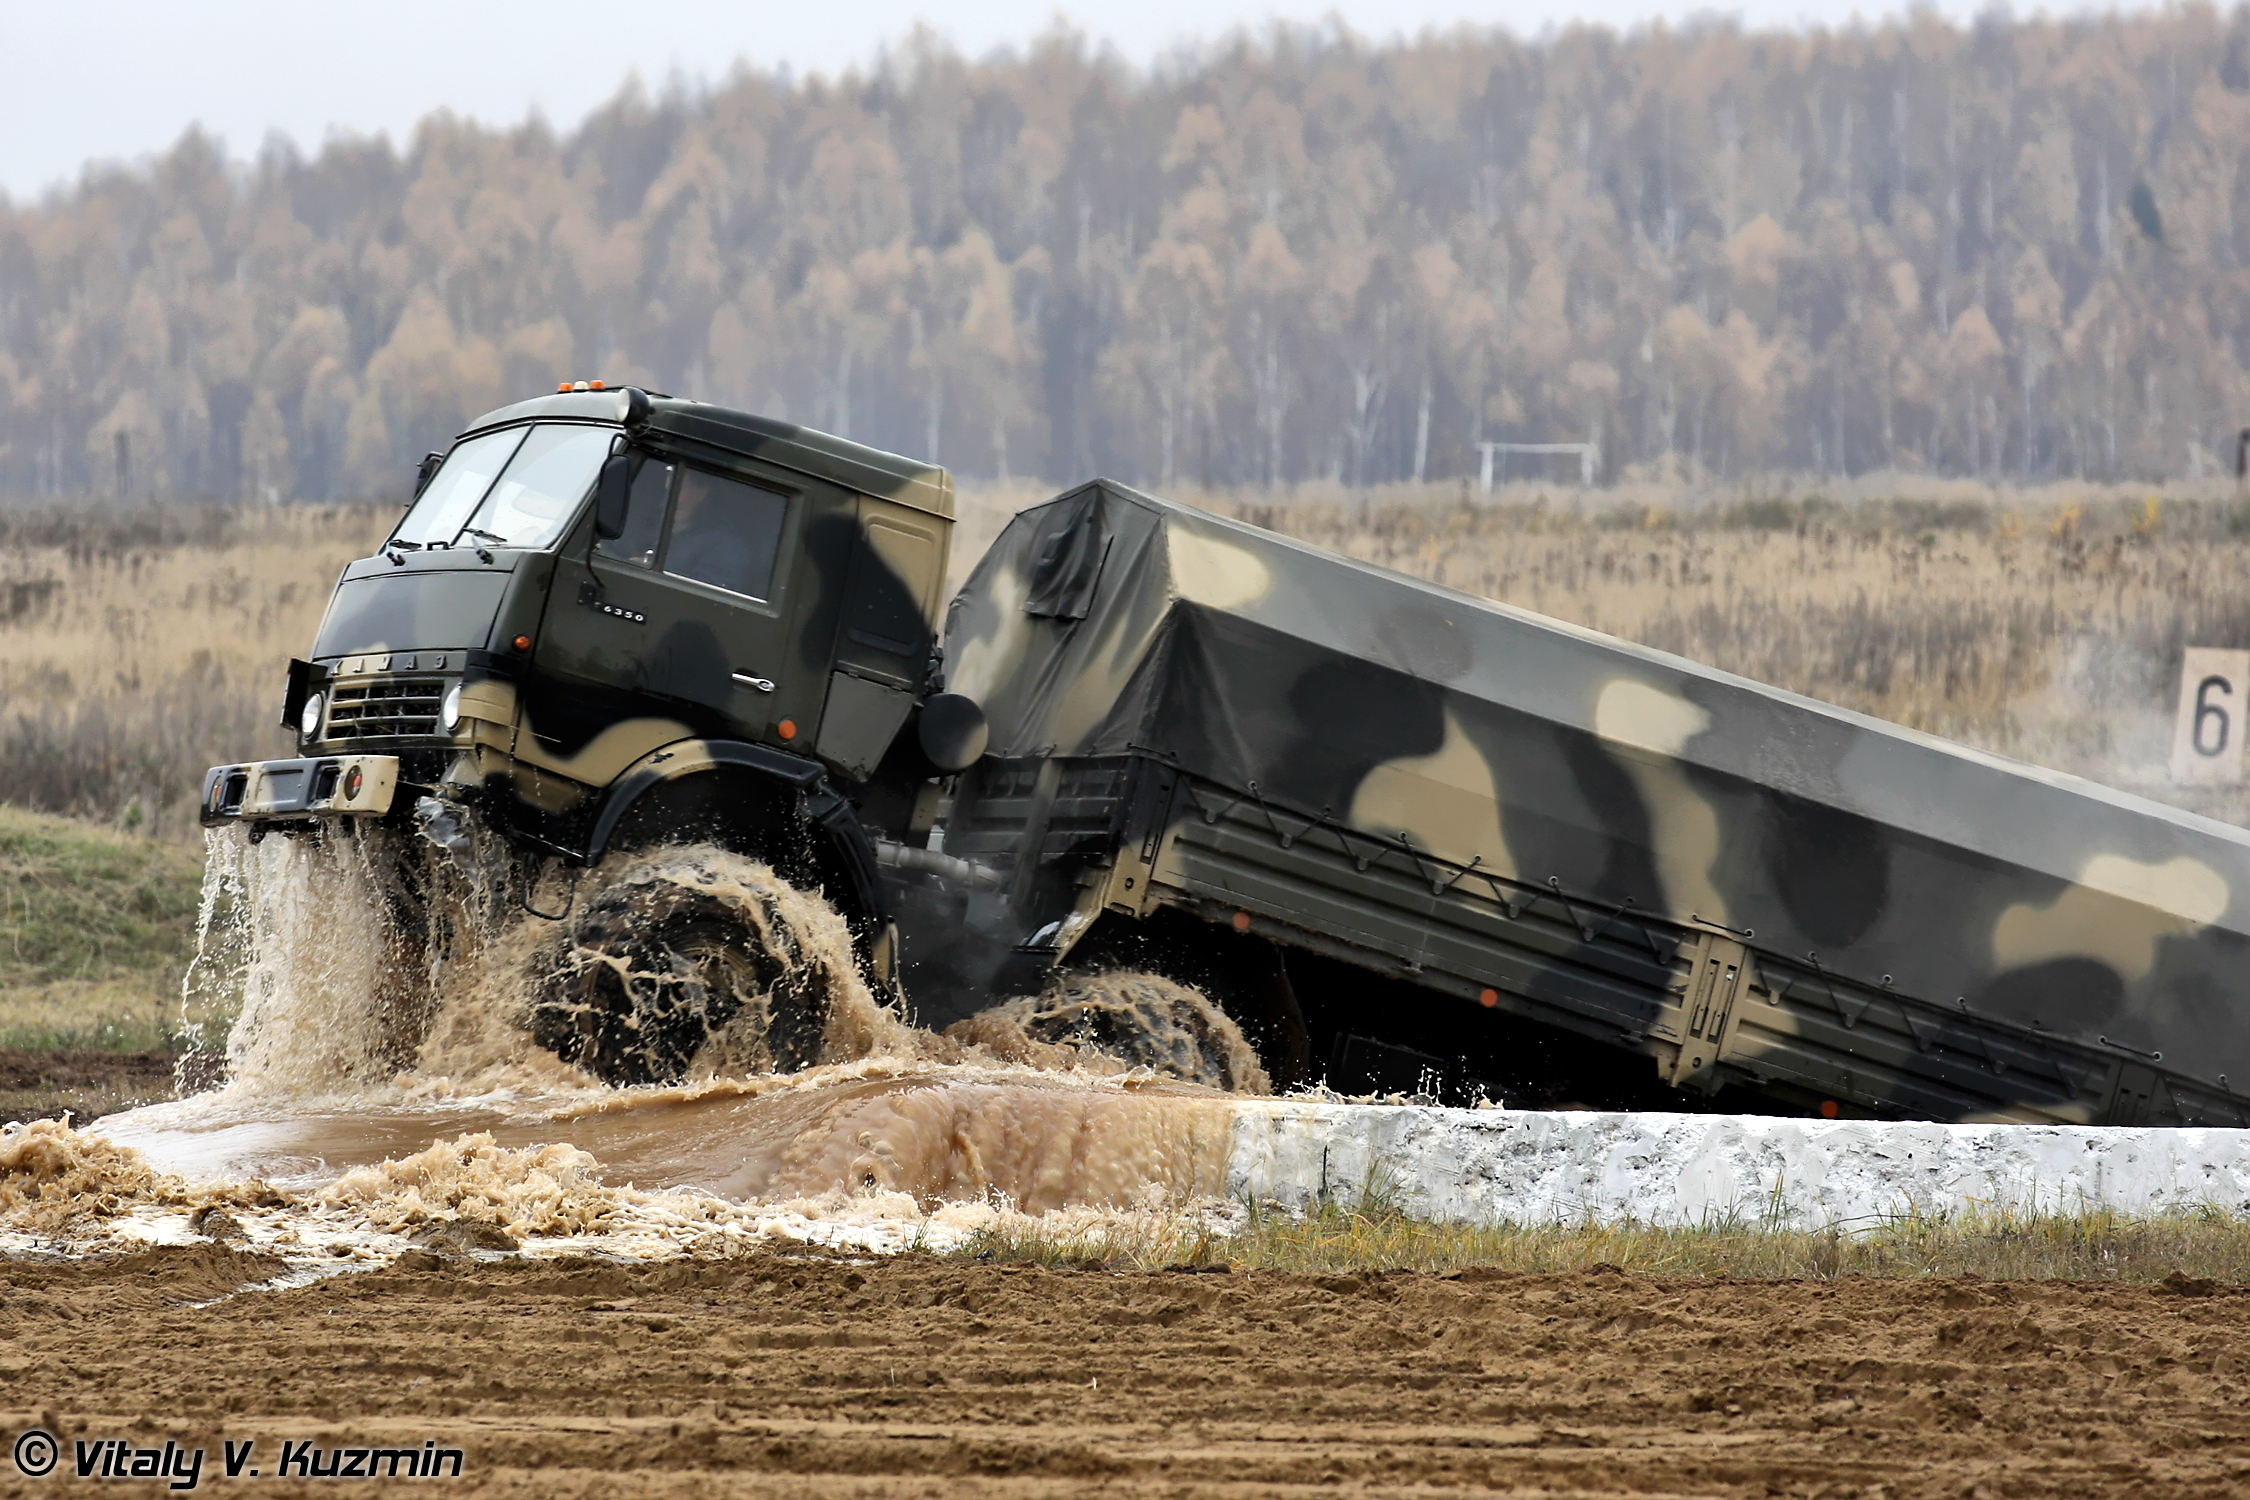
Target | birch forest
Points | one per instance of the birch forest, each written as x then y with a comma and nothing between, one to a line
2015,251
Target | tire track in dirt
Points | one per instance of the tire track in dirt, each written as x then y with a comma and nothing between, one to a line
774,1375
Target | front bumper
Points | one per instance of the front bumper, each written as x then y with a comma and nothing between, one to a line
322,786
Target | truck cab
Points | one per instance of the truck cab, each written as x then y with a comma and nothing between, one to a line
611,615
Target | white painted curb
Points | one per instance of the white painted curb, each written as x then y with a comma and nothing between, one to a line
1533,1167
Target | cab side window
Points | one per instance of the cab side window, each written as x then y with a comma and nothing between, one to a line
726,533
644,517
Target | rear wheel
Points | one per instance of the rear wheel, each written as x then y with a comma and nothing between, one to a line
1242,975
1141,1020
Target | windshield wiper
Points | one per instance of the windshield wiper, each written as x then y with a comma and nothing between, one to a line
490,536
395,545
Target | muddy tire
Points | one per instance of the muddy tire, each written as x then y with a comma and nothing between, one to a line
652,981
1138,1019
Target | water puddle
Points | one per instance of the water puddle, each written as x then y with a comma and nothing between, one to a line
409,1066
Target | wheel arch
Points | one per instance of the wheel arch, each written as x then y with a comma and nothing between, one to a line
691,771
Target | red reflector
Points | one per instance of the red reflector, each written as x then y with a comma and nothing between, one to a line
523,643
787,729
1828,1109
1488,998
1242,921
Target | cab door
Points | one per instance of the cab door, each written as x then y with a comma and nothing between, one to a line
683,617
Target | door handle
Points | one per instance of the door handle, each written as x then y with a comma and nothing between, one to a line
762,684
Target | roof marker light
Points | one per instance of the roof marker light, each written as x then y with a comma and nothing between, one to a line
580,385
563,389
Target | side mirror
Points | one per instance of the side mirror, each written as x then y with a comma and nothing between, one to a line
425,473
612,492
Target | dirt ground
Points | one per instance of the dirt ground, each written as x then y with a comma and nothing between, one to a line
790,1376
42,1085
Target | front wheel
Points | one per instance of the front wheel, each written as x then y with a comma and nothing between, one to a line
693,962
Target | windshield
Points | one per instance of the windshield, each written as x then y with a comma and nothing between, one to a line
437,518
514,488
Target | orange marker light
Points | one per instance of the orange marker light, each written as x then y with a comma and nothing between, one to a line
523,643
1488,998
788,728
563,389
593,385
1242,921
1828,1109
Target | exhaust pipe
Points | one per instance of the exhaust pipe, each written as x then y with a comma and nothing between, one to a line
943,866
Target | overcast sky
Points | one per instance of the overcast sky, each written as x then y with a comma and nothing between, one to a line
88,80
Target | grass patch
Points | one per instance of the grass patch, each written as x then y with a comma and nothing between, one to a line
83,1085
139,645
96,928
2093,1245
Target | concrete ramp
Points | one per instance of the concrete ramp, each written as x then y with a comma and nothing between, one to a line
1040,1143
1490,1166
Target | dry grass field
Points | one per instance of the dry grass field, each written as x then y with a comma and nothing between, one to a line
2087,1244
139,646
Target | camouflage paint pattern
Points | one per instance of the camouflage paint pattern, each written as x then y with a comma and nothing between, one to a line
1744,886
626,665
1747,885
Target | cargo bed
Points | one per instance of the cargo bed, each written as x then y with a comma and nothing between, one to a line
1530,825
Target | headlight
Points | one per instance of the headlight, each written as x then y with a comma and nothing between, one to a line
449,712
309,720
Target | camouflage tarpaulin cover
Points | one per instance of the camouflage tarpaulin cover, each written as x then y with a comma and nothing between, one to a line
1109,622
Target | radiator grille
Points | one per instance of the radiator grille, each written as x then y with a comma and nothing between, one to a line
387,708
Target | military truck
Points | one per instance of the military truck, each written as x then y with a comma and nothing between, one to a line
1410,840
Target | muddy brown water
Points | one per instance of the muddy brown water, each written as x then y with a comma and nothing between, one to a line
341,1054
935,1132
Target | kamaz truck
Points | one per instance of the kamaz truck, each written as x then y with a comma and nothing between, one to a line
1411,841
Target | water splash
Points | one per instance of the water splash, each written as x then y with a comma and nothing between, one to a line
693,962
340,965
54,1179
473,1197
398,1043
304,977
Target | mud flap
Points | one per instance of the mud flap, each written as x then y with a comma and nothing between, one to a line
1706,1009
882,958
1148,826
